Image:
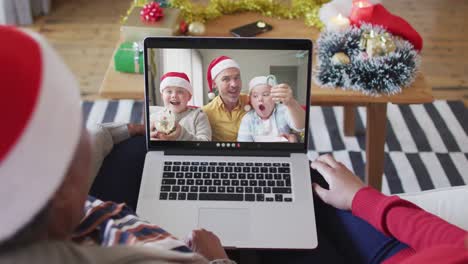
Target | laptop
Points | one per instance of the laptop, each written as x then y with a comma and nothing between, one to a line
251,193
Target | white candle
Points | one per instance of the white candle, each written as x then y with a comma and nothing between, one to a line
362,4
338,23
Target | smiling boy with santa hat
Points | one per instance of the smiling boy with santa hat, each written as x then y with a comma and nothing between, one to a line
190,124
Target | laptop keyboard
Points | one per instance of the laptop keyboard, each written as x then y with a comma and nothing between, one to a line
226,181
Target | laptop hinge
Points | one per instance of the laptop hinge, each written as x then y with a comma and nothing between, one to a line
255,153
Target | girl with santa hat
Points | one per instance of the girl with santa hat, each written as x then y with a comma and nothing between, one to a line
269,121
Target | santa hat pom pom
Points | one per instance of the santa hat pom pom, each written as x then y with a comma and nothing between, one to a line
247,107
211,95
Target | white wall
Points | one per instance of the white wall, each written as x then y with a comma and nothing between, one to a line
257,62
252,62
187,61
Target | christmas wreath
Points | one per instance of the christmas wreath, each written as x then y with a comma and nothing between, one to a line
366,59
366,48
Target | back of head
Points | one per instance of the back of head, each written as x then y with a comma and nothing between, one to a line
41,116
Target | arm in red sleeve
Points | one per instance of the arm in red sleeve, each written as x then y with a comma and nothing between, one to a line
405,221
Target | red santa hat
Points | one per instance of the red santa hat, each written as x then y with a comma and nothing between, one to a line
41,113
178,79
379,15
216,66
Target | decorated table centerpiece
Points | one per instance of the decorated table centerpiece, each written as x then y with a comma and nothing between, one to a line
372,50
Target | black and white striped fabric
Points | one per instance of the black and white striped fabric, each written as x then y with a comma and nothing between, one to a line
426,145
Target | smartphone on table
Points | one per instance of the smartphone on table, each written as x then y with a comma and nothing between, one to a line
251,29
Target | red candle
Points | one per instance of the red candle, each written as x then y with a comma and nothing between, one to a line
362,10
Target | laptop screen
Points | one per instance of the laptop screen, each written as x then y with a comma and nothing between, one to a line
227,93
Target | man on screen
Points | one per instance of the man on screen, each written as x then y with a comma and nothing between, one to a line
226,110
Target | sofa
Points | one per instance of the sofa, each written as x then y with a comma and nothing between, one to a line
451,204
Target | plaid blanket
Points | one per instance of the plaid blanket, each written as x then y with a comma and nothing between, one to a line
109,224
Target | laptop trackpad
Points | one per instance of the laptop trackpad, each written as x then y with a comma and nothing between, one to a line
229,224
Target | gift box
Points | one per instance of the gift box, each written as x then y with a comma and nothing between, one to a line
134,29
129,57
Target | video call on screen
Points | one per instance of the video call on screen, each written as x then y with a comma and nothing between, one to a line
256,95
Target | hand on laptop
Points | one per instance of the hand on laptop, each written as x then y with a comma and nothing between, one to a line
343,183
207,244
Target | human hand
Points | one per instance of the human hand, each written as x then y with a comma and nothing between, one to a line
290,137
174,135
153,132
342,182
206,244
282,93
136,129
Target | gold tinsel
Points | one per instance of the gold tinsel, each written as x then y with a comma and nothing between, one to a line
300,9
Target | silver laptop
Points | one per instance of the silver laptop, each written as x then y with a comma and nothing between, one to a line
253,193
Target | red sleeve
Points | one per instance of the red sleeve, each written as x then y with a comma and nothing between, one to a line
405,221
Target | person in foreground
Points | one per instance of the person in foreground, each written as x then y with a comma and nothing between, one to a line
46,166
426,237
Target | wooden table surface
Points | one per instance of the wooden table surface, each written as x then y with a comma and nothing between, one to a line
131,86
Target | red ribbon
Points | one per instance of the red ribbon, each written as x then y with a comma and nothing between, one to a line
151,12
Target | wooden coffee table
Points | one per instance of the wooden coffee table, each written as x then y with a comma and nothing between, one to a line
131,86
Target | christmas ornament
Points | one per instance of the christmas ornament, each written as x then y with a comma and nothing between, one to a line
376,44
164,121
385,74
340,58
183,27
196,28
151,12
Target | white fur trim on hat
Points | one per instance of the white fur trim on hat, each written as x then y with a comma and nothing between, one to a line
35,167
175,81
257,81
222,65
